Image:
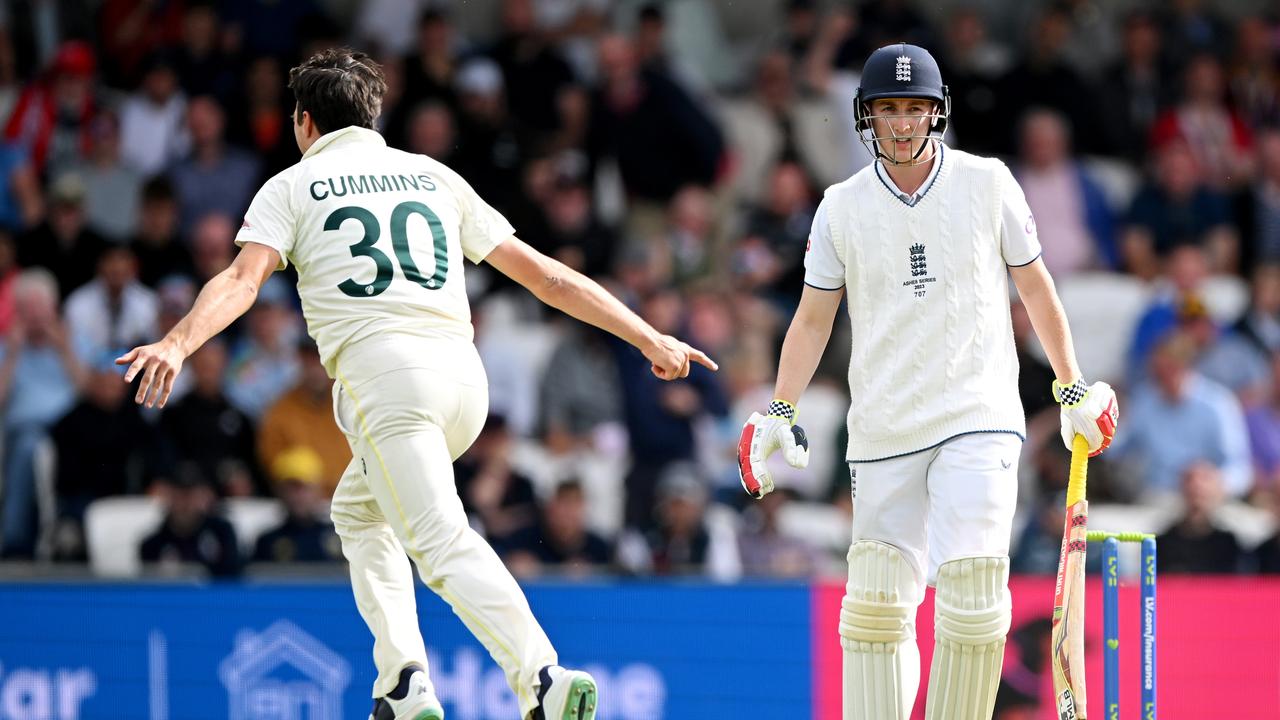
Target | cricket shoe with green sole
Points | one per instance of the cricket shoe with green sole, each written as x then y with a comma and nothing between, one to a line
565,695
413,699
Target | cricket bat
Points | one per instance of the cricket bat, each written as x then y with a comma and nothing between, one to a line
1068,597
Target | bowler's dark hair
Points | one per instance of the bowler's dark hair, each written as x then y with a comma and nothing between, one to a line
339,87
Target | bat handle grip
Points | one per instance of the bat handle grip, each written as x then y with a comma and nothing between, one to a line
1077,480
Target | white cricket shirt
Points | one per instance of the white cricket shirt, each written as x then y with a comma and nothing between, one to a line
378,238
928,295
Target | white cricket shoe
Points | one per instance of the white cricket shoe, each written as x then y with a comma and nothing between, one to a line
565,695
417,699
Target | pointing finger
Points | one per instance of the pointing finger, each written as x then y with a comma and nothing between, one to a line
701,358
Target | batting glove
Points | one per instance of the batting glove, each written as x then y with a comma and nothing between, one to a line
764,434
1088,410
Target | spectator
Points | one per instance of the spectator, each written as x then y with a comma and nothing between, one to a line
203,67
679,542
1174,209
763,129
1240,358
262,121
303,418
1071,212
580,399
575,236
212,245
1188,28
537,78
63,244
1259,209
306,535
491,153
53,114
769,259
430,72
111,189
660,419
153,133
973,64
133,30
766,552
113,312
1194,543
1134,89
205,429
560,541
1263,420
265,363
103,447
1253,77
431,131
660,139
1178,295
497,498
1218,139
156,245
1179,418
689,245
39,378
21,204
214,177
191,532
1044,78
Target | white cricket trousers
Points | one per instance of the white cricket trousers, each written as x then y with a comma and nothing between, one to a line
406,425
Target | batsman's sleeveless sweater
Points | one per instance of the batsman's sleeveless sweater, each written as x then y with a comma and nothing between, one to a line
933,354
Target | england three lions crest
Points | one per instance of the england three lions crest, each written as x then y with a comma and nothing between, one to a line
902,71
919,267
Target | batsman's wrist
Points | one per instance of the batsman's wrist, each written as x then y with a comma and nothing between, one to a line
782,409
1070,395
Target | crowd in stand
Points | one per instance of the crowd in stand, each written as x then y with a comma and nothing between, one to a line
677,153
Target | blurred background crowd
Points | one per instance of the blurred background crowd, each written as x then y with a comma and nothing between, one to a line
674,150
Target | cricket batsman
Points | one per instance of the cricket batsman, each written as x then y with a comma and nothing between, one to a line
923,242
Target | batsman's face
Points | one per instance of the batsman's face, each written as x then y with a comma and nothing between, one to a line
901,127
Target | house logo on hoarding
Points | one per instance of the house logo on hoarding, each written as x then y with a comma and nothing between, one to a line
282,673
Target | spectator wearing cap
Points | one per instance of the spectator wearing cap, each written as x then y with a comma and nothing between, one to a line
191,533
264,364
63,244
113,312
156,245
575,236
1194,543
1178,418
206,429
680,543
52,117
153,129
303,418
103,447
214,177
560,542
39,378
305,535
112,189
1178,296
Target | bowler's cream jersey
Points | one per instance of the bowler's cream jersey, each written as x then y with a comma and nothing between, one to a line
378,238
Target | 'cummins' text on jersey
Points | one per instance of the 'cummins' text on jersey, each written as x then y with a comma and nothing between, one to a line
364,184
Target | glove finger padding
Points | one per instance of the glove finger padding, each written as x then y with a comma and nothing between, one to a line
1095,416
761,436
